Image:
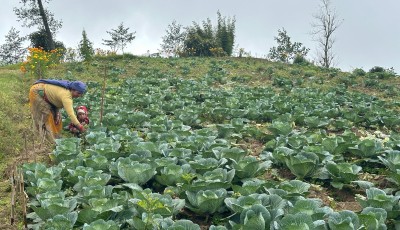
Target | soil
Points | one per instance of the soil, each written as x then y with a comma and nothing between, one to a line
337,199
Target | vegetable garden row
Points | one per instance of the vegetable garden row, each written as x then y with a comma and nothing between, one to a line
169,154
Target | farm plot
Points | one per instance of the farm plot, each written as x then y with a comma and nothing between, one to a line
172,153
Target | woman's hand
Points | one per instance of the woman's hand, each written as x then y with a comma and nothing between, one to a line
81,128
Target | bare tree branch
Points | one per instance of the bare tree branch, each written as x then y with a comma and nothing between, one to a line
325,24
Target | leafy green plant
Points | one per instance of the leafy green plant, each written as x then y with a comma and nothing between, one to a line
206,202
391,159
377,198
136,172
298,221
302,164
373,218
343,220
253,217
342,173
153,203
61,221
101,224
280,128
250,167
367,148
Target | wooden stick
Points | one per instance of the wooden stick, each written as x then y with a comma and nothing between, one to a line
102,95
24,198
26,147
12,220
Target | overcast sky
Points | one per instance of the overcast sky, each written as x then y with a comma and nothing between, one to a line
369,35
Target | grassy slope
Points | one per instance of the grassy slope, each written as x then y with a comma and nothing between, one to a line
15,123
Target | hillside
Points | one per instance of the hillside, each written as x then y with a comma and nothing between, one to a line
343,124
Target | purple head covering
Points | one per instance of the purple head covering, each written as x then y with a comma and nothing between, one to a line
78,86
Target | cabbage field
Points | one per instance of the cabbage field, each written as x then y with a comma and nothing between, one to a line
174,153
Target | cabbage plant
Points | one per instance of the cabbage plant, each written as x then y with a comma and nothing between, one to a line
154,203
342,173
250,167
373,218
343,220
66,221
302,164
206,201
255,217
378,198
298,221
136,172
391,160
101,224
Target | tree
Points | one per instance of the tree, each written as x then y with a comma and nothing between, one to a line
120,37
86,50
12,51
206,40
225,35
326,23
286,50
200,40
173,41
40,39
34,14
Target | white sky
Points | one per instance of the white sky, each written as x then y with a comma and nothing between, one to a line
369,35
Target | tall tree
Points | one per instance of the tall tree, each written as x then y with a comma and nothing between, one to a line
286,50
325,24
12,51
120,37
202,40
173,40
86,50
225,35
32,13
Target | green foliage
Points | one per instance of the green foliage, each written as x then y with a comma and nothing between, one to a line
225,34
206,202
39,39
302,164
378,198
85,47
300,60
296,221
120,37
199,40
359,72
30,16
12,51
378,72
101,224
342,173
207,41
343,220
173,40
166,141
286,50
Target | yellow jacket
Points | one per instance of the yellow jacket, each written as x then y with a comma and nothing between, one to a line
61,98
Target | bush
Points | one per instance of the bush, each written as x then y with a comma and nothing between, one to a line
381,73
359,72
300,60
376,69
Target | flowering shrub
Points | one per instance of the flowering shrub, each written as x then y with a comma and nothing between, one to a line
39,61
